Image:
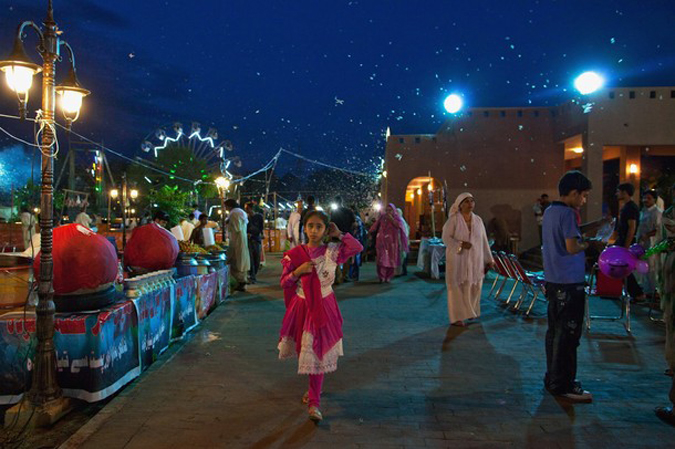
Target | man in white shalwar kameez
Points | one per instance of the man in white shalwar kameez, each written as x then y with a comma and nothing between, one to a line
467,256
293,229
28,222
650,222
237,251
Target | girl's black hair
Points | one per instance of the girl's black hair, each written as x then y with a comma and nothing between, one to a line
316,213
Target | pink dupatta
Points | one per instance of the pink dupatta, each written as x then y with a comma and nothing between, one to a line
311,286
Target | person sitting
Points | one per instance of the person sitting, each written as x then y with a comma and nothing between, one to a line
197,236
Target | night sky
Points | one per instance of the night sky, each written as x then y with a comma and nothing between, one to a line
325,78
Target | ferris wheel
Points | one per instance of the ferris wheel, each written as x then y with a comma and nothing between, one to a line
207,148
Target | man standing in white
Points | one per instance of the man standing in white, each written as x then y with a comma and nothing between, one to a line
27,227
293,229
237,251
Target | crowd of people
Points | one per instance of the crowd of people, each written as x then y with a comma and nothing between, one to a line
324,247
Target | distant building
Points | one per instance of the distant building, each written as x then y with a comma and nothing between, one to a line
508,157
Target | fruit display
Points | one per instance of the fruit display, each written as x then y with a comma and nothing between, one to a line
187,247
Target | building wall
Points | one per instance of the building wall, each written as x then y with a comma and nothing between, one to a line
506,157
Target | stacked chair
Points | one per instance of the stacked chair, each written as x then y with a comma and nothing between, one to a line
508,268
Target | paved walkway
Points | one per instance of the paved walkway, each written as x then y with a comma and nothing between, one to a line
407,380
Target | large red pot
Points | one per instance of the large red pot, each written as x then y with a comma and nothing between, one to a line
84,262
151,247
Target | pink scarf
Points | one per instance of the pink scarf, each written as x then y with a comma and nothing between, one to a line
311,286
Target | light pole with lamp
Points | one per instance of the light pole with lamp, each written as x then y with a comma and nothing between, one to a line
587,84
112,195
223,185
44,403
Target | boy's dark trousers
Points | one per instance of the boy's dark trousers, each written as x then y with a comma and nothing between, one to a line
566,304
254,250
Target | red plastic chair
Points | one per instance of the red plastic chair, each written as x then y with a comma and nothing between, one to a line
533,284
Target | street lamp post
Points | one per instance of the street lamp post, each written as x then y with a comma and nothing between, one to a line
45,403
223,185
113,194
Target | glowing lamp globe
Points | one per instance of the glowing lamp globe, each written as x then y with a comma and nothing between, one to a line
19,69
453,103
223,183
333,206
19,78
71,94
588,82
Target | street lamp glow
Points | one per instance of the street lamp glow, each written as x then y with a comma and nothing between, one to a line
114,193
71,101
588,82
19,78
223,183
453,103
333,206
378,207
133,194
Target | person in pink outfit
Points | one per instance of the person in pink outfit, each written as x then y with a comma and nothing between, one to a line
312,325
391,240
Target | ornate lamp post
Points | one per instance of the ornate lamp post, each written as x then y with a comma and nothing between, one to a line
44,402
223,186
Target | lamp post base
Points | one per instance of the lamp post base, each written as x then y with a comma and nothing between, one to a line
26,414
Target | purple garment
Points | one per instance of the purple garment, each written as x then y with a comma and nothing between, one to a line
391,239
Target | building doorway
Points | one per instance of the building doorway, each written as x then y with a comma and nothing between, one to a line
423,200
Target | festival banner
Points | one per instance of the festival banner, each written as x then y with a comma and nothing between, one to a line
97,353
206,294
154,324
184,308
223,283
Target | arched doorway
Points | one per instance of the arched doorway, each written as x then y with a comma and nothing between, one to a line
424,199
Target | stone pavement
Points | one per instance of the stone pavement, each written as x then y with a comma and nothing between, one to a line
407,380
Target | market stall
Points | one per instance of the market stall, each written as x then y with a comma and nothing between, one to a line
103,345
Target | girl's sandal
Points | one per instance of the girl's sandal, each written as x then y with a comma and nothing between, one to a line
315,414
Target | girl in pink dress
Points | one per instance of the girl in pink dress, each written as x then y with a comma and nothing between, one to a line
312,326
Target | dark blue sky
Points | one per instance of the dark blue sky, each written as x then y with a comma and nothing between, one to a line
269,74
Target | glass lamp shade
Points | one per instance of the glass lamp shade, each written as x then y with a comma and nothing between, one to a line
19,78
114,193
71,101
133,194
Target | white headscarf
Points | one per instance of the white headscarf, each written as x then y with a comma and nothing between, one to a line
455,206
468,265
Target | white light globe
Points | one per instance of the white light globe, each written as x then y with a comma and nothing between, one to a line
71,101
588,82
453,103
333,206
19,78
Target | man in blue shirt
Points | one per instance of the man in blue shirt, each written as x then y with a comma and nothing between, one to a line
564,272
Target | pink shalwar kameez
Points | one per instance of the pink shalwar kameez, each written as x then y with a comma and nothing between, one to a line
312,326
390,241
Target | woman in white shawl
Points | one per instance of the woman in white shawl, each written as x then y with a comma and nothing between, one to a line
467,257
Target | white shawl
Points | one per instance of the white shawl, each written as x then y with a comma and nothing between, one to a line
469,264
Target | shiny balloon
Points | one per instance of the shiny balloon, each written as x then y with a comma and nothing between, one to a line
637,250
617,262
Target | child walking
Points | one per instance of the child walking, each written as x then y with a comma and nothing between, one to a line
312,324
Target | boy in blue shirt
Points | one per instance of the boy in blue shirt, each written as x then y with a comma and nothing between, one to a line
564,272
